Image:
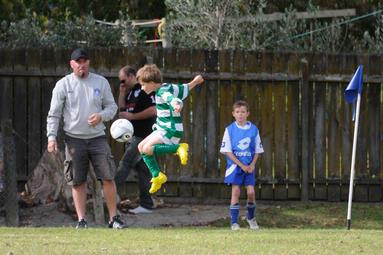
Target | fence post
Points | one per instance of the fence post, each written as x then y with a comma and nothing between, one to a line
305,124
11,197
98,204
2,174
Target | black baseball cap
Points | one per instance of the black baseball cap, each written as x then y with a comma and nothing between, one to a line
78,54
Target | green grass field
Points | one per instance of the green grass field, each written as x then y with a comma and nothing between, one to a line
313,228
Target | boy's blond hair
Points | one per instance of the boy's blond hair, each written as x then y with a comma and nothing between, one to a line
149,73
240,103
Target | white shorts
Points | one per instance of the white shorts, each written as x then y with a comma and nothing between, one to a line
161,134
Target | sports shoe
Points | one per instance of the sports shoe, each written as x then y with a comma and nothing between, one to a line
157,182
235,226
116,222
82,224
140,210
253,224
182,152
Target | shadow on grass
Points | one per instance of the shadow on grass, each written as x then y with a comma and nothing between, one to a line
314,215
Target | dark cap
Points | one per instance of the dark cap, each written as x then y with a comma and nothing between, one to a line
78,54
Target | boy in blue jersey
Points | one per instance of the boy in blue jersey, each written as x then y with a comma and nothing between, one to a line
241,144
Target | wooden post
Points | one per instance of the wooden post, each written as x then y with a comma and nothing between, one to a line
11,199
98,204
212,116
305,124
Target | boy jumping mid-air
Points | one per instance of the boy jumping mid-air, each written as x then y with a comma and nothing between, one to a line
241,145
168,128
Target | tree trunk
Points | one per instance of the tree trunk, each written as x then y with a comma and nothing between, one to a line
47,184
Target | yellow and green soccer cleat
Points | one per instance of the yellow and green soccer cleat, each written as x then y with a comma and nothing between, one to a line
182,152
157,182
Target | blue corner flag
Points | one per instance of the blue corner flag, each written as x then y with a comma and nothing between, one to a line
353,94
354,88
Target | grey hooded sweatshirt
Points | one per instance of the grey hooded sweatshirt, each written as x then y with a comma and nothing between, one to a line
76,99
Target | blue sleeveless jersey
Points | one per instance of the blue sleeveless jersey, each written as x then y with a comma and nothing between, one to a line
243,148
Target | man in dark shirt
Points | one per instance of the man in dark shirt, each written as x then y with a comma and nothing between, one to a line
139,108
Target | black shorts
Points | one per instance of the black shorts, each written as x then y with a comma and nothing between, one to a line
79,152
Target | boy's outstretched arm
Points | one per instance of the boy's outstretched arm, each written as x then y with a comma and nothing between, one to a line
197,80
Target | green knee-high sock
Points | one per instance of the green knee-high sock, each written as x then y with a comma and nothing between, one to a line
152,164
165,148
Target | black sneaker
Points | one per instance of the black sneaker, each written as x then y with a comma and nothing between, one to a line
116,222
82,224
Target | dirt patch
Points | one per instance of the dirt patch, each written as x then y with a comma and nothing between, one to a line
175,215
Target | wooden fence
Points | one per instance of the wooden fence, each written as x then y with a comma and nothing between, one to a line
296,100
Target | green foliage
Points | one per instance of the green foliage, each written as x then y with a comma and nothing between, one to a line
34,31
374,42
12,10
208,24
238,24
69,23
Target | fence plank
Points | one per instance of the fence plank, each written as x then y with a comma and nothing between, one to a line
374,163
99,62
226,100
198,97
119,58
346,145
311,130
212,139
253,91
10,158
185,171
306,123
6,85
280,145
266,125
264,64
184,60
34,124
238,68
361,155
225,117
47,85
20,125
6,96
48,61
319,141
33,61
374,137
293,173
333,142
62,57
170,59
184,65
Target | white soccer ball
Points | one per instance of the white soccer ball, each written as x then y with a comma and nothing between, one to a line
122,130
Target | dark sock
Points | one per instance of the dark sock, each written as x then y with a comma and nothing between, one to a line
251,210
234,213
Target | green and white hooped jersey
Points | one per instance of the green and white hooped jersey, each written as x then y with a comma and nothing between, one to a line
167,119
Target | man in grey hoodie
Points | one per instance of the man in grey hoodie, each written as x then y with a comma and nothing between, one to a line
85,101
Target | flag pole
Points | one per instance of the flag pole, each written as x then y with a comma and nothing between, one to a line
351,188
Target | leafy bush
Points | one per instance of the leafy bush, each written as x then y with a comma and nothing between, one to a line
87,31
237,24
